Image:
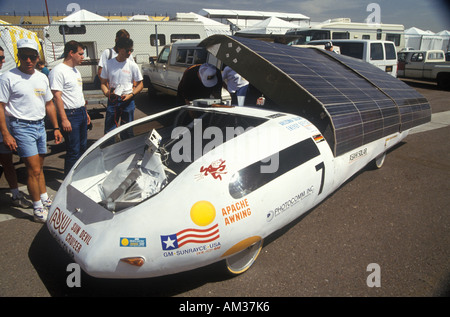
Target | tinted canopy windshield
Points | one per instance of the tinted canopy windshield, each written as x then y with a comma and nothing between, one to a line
137,163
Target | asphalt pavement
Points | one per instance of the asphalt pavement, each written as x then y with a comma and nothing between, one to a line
395,219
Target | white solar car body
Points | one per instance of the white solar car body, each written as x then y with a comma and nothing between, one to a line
201,184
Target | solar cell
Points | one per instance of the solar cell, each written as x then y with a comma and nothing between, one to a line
360,102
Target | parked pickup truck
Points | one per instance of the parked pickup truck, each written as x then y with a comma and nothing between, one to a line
426,65
165,73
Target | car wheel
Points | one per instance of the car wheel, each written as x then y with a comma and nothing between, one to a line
443,81
242,261
151,91
379,161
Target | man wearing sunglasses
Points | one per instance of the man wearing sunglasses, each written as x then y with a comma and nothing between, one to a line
121,79
6,161
25,97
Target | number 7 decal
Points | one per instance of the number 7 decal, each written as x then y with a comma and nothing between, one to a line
321,166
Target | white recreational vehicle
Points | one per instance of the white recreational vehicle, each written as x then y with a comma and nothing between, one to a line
345,29
149,38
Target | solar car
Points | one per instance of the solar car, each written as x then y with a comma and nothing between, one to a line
208,182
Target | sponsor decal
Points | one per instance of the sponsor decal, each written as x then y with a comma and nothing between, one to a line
236,212
291,124
295,123
389,139
75,238
60,221
198,250
275,115
204,240
216,169
196,236
289,203
357,155
133,242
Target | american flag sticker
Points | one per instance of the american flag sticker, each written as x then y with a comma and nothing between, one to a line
197,236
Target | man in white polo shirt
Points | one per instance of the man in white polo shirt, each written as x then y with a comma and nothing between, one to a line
67,88
25,97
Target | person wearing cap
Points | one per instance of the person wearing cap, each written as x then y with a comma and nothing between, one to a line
6,161
67,88
198,82
121,79
25,98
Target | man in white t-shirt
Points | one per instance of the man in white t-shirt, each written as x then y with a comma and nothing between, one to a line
25,97
121,80
67,88
7,165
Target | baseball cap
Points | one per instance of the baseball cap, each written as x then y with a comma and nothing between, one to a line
208,75
328,45
27,43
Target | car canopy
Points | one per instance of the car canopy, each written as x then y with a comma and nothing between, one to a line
351,101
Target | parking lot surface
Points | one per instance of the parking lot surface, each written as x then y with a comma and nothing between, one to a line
395,218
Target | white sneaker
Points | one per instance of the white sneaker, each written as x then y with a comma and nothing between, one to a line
47,203
40,214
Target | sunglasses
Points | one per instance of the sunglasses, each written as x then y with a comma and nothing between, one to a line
31,57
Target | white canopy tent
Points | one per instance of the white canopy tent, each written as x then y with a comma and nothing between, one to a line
418,39
247,18
211,26
272,25
54,51
82,16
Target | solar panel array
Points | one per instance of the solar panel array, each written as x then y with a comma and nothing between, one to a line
363,102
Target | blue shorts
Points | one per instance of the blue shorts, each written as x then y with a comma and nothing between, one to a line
31,137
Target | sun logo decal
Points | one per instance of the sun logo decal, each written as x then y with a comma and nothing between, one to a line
202,214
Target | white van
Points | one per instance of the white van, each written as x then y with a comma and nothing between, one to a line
382,54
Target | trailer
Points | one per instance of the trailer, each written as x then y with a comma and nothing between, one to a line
345,29
148,37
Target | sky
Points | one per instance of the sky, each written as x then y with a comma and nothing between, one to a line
425,14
